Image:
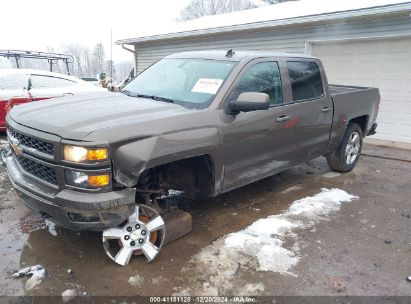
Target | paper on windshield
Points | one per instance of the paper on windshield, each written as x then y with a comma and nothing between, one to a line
206,85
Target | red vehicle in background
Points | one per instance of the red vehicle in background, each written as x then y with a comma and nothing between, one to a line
18,86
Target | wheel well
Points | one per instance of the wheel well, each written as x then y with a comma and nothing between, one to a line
362,122
192,175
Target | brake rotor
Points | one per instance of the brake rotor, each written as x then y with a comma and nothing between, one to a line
143,232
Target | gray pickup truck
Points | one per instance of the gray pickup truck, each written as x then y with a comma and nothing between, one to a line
203,123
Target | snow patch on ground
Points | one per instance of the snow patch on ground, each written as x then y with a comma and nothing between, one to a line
36,275
331,174
293,188
252,289
260,246
69,295
51,227
3,179
135,281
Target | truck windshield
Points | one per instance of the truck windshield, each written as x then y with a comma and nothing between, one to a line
191,83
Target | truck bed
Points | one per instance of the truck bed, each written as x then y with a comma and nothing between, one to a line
353,102
336,89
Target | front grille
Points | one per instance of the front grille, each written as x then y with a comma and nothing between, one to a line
38,170
32,142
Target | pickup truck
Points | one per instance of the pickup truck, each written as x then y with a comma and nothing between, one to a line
203,123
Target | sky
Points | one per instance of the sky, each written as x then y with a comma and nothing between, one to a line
36,24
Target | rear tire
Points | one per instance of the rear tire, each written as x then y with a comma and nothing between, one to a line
348,152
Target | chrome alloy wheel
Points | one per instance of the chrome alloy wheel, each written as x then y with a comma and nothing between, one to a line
352,150
135,235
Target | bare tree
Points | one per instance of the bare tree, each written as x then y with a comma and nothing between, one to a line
99,58
199,8
110,69
81,56
123,69
276,1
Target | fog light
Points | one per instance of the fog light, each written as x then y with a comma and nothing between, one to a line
99,180
83,180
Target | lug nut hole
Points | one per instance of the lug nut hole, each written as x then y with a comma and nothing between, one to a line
137,226
132,243
129,229
141,241
126,237
143,232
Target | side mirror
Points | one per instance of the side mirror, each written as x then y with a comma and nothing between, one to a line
249,101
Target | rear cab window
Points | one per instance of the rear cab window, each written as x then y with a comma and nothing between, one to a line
306,81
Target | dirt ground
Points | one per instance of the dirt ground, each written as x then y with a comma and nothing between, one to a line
363,249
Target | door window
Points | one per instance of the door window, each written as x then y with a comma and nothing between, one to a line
306,82
262,77
49,82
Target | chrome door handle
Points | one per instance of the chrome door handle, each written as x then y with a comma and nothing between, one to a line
283,118
325,109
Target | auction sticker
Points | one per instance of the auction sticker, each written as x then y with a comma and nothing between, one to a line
204,85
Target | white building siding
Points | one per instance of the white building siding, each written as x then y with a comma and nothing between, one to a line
382,63
287,40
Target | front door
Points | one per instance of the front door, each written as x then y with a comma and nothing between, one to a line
248,137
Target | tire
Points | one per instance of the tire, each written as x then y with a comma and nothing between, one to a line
348,152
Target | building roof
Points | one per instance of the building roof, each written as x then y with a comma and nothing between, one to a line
286,13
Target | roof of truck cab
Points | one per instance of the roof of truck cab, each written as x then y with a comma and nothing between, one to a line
237,55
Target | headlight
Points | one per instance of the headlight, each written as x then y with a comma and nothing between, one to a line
83,180
80,154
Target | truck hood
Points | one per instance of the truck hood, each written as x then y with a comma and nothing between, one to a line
75,117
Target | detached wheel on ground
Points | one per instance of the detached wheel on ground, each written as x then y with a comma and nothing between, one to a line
347,154
143,232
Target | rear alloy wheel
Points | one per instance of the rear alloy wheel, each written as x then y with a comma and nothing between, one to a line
347,154
143,232
352,148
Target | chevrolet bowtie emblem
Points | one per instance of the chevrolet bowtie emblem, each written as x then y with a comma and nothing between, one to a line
15,146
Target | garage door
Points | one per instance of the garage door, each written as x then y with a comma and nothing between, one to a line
385,64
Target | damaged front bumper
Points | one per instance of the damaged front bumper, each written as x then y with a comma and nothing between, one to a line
72,209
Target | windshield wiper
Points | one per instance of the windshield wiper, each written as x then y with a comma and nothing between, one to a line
157,98
129,93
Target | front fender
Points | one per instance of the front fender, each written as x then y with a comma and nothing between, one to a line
131,159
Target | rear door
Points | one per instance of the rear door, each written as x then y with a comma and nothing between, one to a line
310,110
